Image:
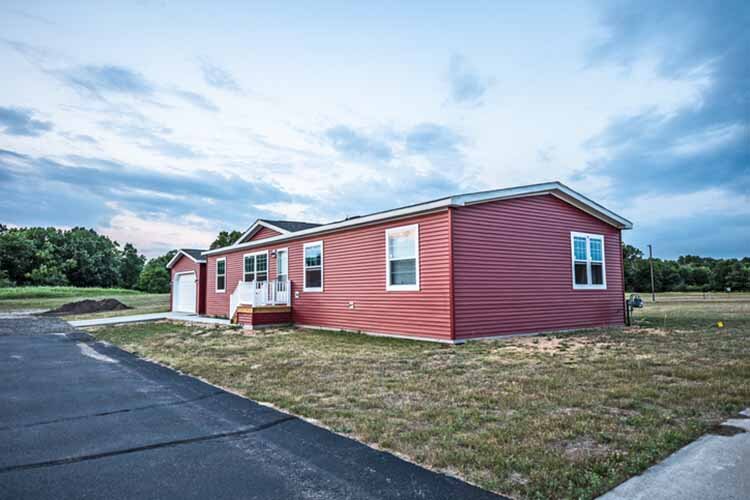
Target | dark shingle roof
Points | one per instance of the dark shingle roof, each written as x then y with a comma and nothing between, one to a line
291,225
194,253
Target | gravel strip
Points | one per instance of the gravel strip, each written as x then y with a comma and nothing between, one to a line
34,325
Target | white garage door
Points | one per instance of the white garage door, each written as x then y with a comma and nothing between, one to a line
183,296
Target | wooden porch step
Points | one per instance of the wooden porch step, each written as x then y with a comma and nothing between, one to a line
262,315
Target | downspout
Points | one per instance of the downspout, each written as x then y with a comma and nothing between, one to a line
625,315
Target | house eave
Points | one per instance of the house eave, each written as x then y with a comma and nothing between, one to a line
179,255
257,225
556,189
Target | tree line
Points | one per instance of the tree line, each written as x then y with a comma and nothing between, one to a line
689,273
84,258
47,256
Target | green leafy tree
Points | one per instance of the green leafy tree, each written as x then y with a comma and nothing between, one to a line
155,277
77,257
95,258
48,275
224,239
5,282
131,265
630,258
17,255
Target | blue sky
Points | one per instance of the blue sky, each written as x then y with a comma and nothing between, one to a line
162,123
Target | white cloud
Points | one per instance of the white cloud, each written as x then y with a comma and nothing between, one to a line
656,209
154,237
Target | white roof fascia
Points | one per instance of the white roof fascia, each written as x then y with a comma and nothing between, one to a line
390,214
179,254
554,188
255,226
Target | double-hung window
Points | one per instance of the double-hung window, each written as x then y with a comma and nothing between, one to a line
402,258
313,267
221,274
255,267
588,261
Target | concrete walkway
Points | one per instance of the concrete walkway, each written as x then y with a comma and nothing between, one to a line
716,467
139,318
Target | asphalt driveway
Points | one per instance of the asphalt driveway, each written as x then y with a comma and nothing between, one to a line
82,419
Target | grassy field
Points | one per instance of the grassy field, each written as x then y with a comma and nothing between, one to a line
557,416
47,297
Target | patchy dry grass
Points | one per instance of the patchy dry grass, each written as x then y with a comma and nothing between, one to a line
557,416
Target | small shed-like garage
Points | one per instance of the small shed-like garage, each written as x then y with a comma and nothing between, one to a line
188,293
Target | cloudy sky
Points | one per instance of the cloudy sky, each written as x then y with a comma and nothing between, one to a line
161,123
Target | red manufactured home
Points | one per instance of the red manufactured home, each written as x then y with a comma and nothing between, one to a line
510,261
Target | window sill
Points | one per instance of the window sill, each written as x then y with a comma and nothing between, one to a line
221,291
589,287
314,290
402,288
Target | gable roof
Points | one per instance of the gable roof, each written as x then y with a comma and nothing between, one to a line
291,225
280,226
191,253
556,189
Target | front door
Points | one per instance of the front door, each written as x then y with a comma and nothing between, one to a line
282,265
281,293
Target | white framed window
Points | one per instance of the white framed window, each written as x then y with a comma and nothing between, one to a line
255,266
282,264
402,258
587,253
221,275
312,263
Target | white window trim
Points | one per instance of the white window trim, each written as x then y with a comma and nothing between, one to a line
588,237
216,278
253,254
402,288
277,250
305,288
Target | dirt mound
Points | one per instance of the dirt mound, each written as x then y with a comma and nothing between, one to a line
88,306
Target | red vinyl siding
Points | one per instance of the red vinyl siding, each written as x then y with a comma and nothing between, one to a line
513,270
183,265
354,270
263,233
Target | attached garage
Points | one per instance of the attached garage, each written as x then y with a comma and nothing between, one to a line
188,269
184,292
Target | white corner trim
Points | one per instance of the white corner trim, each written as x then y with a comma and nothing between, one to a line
401,288
305,288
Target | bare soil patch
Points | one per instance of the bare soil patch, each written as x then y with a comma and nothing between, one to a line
88,306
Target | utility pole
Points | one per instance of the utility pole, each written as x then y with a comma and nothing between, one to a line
651,265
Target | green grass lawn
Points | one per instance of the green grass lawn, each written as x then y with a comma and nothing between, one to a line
557,416
48,297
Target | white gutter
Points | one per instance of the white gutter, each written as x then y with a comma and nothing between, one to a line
555,188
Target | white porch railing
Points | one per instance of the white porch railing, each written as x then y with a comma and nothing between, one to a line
260,293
